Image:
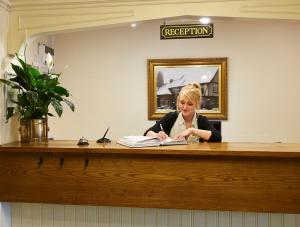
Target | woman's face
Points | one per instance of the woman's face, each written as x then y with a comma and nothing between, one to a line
186,107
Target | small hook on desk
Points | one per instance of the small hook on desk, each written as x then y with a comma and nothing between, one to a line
86,162
61,162
40,162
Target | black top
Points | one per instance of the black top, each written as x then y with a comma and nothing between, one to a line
169,119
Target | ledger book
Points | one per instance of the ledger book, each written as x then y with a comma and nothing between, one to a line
147,141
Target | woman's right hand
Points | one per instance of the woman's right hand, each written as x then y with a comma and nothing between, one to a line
161,135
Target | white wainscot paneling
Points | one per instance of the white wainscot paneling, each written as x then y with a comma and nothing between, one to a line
45,215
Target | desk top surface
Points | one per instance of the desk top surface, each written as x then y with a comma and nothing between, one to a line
193,148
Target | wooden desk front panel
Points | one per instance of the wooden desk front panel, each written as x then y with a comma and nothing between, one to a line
269,184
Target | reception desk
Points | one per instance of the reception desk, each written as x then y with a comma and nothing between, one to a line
262,177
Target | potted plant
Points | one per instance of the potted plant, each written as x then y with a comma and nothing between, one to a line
36,92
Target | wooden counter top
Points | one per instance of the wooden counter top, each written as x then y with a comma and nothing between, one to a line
263,177
223,149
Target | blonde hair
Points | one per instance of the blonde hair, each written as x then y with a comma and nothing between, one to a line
191,92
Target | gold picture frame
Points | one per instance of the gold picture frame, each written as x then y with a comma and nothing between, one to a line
167,76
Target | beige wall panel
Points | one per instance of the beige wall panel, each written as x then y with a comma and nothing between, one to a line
59,216
107,76
79,216
37,215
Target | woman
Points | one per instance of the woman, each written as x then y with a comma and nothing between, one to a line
186,122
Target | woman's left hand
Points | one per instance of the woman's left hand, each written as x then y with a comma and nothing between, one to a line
184,135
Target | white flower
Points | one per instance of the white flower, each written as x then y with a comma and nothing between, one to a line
49,61
52,76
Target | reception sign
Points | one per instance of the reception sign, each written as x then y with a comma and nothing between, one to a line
186,31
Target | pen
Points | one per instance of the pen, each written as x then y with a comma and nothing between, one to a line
105,133
161,128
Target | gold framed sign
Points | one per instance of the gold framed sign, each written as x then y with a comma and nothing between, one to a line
186,31
167,76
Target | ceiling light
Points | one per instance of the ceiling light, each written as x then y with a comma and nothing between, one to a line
133,25
204,20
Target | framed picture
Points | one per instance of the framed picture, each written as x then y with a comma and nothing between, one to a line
167,76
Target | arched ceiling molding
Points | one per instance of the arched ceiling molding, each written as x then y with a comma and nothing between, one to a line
5,4
30,17
282,11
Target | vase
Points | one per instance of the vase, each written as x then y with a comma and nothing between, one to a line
34,130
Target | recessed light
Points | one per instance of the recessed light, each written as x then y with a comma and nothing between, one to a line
204,20
133,25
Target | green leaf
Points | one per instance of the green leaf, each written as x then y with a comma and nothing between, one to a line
32,98
28,114
31,80
61,91
57,107
22,100
18,70
24,65
70,104
10,111
33,71
43,77
20,77
51,83
18,80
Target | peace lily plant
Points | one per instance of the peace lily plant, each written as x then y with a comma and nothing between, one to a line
36,92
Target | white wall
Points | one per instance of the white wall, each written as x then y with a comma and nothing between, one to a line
8,131
5,129
107,77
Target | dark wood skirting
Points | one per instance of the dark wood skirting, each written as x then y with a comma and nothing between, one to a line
224,176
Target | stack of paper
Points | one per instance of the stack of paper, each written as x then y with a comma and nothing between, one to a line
147,141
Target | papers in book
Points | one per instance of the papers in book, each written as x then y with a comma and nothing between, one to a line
146,141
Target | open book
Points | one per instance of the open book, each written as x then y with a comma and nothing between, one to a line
147,141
